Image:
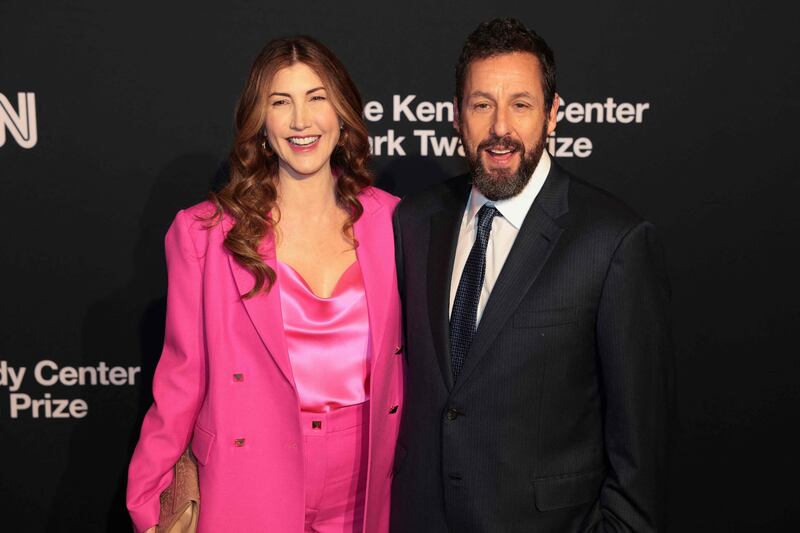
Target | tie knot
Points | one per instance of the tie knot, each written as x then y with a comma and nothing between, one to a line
485,216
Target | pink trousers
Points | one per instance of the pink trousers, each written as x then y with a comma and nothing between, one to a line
336,469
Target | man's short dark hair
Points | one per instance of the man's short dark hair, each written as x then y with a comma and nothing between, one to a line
505,36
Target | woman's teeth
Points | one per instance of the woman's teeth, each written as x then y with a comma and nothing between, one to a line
303,141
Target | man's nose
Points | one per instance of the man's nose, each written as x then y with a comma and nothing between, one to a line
500,126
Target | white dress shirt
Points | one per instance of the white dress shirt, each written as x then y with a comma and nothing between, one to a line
505,226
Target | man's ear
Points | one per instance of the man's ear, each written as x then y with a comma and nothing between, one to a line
552,115
456,115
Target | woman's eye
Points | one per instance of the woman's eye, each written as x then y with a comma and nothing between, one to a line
317,98
276,103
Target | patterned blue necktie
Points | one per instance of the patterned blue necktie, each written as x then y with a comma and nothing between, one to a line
465,306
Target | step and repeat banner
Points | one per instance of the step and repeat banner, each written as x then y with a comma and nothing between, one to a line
113,116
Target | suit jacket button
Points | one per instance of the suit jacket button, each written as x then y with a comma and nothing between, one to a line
398,349
452,414
238,377
393,410
238,443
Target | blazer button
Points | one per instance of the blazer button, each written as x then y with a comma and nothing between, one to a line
393,410
398,349
238,377
452,414
238,443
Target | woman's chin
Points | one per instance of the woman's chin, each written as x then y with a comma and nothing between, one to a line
306,170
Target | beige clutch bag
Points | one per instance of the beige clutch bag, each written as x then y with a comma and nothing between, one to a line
180,502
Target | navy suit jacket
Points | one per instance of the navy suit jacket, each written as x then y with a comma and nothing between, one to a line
557,422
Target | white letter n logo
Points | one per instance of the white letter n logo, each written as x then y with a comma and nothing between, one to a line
22,124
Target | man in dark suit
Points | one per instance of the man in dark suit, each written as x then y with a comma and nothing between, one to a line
537,341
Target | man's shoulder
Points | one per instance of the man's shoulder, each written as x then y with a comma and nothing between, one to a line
587,203
444,194
591,204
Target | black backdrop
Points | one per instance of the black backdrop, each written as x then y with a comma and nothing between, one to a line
133,117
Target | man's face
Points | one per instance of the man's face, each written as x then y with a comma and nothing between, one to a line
503,122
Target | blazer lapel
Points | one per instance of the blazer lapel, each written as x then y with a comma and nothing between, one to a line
375,253
264,309
536,239
445,225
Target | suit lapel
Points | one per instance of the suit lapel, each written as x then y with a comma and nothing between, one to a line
264,309
375,255
444,229
534,243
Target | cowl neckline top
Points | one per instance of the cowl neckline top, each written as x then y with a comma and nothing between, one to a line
327,339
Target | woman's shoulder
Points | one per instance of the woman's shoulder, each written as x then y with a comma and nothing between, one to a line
202,224
373,198
203,216
202,210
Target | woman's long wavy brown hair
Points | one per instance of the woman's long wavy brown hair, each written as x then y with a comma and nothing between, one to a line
251,193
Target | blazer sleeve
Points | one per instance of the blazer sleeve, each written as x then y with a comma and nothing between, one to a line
635,355
178,383
398,251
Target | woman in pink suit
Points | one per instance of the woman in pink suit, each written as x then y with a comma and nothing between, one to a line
282,363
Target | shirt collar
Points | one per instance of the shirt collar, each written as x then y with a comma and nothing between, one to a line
513,209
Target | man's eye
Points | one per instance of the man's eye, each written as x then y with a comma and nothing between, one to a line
481,105
521,105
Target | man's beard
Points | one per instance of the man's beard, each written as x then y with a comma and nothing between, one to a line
499,184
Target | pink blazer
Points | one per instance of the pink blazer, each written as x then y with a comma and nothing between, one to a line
224,383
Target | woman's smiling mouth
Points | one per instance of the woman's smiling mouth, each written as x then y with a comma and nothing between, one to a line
303,144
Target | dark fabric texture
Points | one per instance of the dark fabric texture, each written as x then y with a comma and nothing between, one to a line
558,419
468,294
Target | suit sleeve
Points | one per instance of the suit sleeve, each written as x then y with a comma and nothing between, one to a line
178,383
635,353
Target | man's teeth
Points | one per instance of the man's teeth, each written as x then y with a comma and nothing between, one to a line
501,152
303,141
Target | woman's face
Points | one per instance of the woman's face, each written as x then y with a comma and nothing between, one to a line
302,125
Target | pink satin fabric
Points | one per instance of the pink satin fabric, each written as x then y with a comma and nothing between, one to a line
328,339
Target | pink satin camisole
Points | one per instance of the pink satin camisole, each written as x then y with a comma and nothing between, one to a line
327,338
